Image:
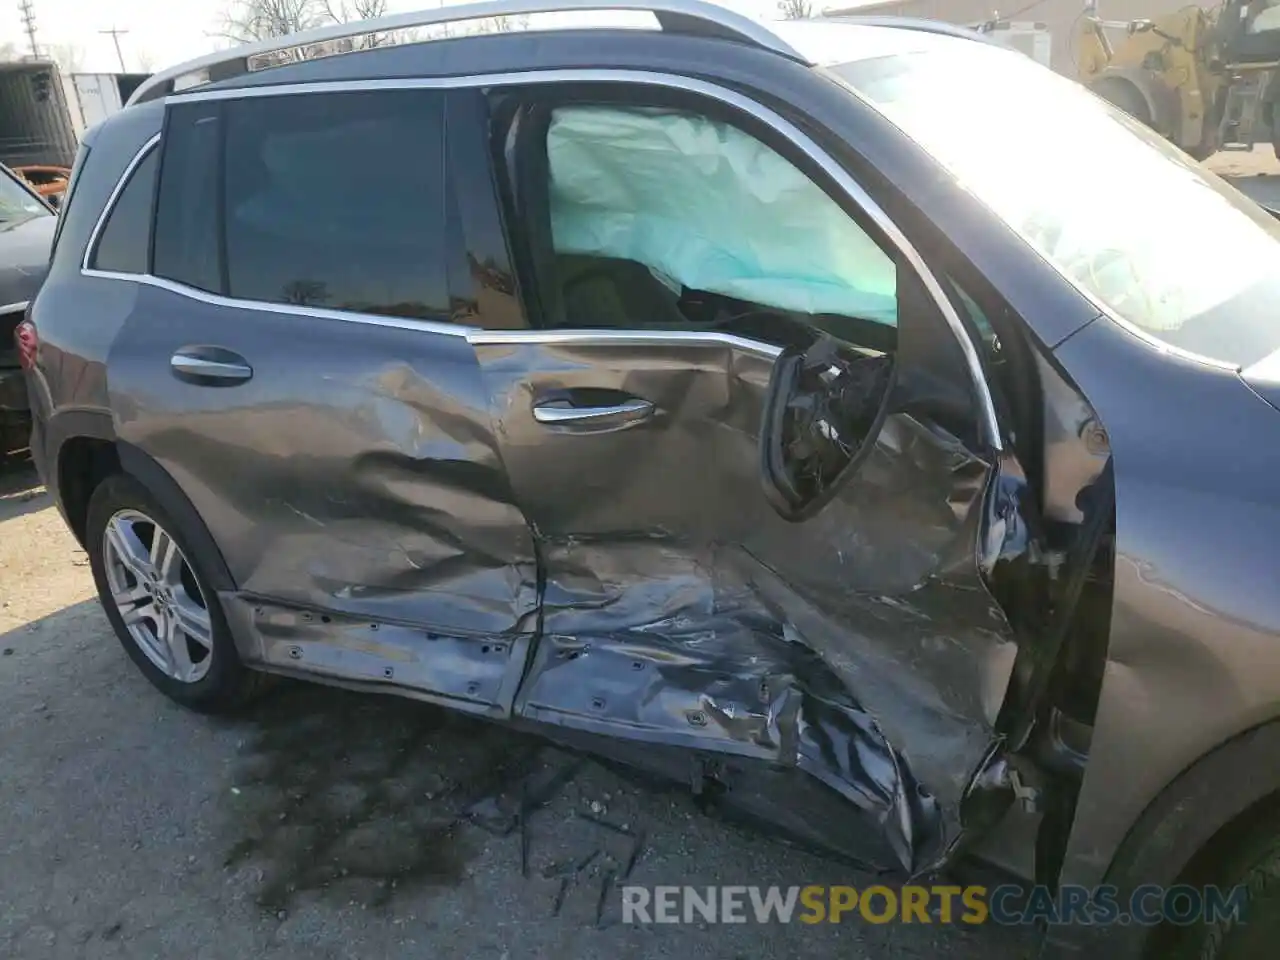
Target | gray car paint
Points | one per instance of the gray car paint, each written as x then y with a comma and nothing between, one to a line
1184,672
405,521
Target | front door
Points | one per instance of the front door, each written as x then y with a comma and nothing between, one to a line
811,600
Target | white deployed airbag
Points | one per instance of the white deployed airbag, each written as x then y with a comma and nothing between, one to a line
712,208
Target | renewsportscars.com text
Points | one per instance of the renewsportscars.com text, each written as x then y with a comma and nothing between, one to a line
1009,905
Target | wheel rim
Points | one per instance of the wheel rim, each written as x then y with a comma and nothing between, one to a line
158,597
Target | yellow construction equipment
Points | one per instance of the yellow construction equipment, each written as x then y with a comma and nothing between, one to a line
1202,78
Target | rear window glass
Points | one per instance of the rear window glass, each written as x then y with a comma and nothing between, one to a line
125,238
308,223
186,246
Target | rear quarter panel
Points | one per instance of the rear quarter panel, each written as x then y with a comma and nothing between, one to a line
78,318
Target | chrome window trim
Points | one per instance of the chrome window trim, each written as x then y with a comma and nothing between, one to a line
634,338
779,124
92,246
15,306
289,309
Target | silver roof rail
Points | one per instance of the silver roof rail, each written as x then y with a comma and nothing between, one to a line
677,16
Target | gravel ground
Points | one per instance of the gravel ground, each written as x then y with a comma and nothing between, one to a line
329,825
1256,173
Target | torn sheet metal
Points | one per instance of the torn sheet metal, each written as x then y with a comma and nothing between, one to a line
861,646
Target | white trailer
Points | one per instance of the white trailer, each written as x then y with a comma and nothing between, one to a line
92,97
1030,37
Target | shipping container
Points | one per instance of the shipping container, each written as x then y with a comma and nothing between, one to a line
35,123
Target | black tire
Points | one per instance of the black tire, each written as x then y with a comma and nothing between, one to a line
1254,865
1122,94
228,684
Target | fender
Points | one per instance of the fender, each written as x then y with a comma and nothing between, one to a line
1216,790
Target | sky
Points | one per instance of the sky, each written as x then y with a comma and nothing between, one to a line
166,32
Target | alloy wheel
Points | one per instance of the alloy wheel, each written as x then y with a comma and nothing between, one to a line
158,597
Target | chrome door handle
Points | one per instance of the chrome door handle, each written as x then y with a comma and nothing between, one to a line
559,411
210,365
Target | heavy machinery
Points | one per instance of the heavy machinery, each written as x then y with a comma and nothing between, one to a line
1205,79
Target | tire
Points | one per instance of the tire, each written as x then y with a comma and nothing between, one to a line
1255,866
210,678
1122,94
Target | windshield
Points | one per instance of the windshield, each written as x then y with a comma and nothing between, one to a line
18,203
1146,231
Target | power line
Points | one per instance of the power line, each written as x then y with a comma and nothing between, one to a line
115,36
27,10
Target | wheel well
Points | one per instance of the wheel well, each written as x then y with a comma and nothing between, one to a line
1125,94
83,463
1196,824
1214,857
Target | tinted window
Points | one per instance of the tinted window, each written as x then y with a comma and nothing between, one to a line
122,245
186,247
336,201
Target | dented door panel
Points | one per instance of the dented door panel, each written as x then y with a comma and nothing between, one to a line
353,480
861,646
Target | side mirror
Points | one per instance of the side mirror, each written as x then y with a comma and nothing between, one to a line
824,406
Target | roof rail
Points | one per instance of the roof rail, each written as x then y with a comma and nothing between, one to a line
675,16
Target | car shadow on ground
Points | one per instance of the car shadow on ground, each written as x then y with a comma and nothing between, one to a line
320,819
362,794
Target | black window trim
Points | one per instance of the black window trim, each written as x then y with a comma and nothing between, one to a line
840,178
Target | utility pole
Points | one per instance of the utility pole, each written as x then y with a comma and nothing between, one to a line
115,35
27,10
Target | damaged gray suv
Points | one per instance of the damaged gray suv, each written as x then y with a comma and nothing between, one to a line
791,409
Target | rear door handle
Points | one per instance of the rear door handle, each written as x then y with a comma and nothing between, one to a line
561,412
210,365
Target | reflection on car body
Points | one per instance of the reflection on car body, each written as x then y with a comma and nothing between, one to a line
719,411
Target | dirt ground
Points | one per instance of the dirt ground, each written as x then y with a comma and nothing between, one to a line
1255,173
329,825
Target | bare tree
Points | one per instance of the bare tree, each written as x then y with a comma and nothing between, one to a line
248,20
795,9
68,56
9,52
146,62
349,11
500,24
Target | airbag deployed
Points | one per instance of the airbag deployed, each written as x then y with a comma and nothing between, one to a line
712,209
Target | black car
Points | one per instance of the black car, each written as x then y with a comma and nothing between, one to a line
854,420
27,225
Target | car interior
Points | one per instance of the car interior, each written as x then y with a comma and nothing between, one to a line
602,267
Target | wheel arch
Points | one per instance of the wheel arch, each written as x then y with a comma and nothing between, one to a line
1190,825
85,451
1160,101
160,484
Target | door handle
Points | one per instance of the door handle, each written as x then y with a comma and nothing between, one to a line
209,365
627,412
